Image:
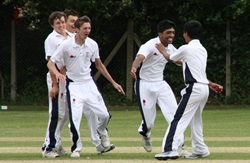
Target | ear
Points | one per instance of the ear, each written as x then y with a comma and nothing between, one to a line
160,34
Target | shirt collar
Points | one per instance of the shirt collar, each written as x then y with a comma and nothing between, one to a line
84,45
55,33
194,41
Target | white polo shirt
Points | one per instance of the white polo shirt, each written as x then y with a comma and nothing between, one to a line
154,63
194,61
52,42
77,58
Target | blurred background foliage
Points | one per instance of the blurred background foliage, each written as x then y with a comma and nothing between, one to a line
109,22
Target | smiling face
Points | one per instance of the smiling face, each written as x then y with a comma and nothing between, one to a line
70,23
59,25
167,36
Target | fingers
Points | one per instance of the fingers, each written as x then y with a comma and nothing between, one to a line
216,88
121,90
53,94
61,78
133,73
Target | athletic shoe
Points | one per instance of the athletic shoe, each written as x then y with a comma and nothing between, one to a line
50,154
75,154
167,155
105,140
100,149
183,153
194,156
147,144
61,151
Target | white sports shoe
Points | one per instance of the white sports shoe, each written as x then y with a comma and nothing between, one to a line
183,153
194,156
50,154
167,155
61,151
75,154
105,140
147,144
100,149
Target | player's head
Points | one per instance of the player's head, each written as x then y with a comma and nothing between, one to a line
72,16
192,30
83,25
57,20
166,31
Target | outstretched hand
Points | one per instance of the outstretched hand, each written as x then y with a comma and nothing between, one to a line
119,88
216,87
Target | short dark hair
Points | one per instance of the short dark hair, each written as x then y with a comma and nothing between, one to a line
56,15
84,19
69,12
165,24
193,28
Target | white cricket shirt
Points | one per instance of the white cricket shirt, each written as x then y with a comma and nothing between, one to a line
77,58
51,43
194,61
154,63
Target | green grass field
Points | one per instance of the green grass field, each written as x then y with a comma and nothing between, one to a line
22,131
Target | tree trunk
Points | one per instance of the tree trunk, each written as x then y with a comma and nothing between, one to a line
130,54
228,60
13,61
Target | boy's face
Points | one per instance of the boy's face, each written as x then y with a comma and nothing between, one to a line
70,23
167,36
59,25
84,30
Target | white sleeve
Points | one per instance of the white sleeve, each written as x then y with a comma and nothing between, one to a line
50,47
145,50
96,54
178,55
57,56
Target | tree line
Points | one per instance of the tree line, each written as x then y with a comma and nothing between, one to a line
225,35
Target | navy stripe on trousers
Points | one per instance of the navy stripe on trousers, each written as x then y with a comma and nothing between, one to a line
73,129
180,110
53,124
144,124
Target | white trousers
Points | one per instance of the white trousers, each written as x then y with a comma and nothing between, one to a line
189,112
85,98
60,111
149,94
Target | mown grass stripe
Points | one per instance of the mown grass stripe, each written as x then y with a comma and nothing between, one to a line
125,158
16,139
122,149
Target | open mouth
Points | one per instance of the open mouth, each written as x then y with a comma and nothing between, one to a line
170,39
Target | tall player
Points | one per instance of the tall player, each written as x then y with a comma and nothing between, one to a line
150,87
92,119
82,94
58,113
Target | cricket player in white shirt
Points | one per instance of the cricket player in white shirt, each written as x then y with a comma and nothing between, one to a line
194,96
58,109
150,86
82,94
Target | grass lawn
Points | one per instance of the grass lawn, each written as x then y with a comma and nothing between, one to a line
22,132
